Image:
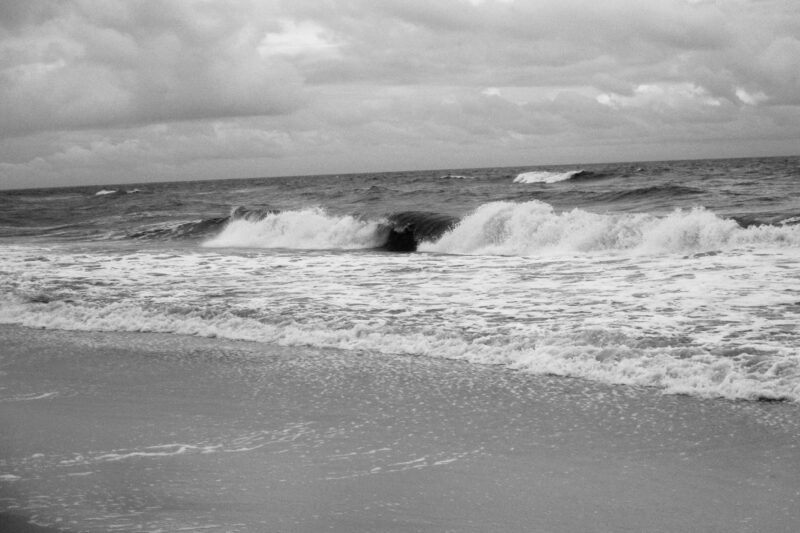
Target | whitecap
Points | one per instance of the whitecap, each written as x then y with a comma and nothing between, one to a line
542,176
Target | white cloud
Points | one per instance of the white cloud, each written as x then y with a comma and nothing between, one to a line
671,95
750,99
298,39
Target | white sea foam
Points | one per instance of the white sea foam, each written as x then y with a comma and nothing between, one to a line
619,355
542,176
533,228
103,192
29,397
240,444
309,229
720,324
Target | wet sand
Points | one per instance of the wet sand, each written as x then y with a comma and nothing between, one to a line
142,432
20,524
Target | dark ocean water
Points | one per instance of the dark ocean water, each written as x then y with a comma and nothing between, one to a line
676,275
751,191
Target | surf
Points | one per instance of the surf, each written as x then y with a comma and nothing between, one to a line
617,355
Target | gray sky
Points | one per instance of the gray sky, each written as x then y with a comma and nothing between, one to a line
106,91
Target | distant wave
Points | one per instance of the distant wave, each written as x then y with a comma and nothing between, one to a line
115,192
534,228
657,191
748,221
543,176
183,230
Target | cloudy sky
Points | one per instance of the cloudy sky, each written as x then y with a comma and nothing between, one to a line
108,91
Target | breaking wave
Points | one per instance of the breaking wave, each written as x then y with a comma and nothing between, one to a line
315,229
533,228
497,228
309,229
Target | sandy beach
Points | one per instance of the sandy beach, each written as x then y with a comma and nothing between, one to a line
144,432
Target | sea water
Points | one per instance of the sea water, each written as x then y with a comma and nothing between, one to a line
680,276
516,349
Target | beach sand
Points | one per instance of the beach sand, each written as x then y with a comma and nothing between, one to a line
144,432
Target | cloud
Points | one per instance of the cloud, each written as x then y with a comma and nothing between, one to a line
298,39
177,89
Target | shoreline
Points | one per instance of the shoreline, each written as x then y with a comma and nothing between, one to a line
138,430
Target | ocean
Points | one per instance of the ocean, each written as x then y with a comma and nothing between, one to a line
681,276
376,352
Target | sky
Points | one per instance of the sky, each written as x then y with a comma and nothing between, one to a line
121,91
